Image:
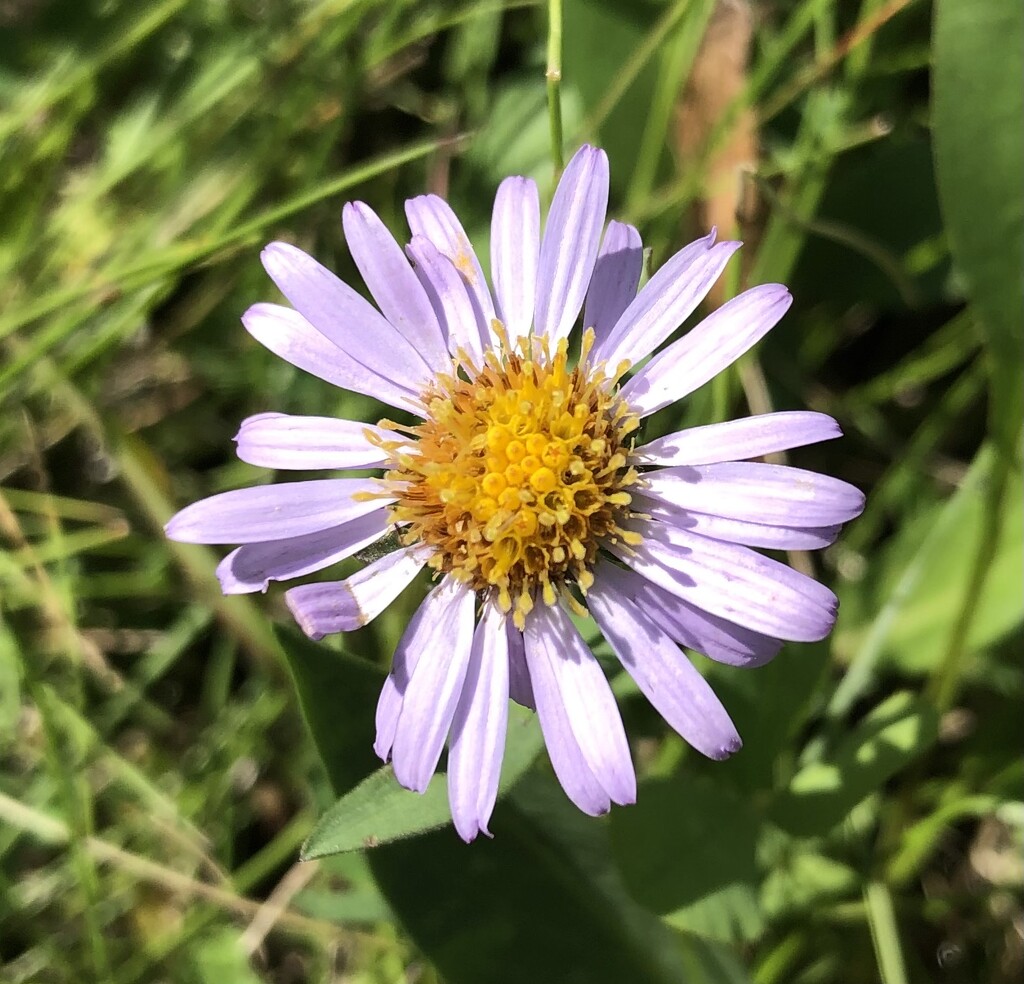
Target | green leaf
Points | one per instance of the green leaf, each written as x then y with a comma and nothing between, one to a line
711,962
346,892
338,696
920,585
803,879
921,633
541,901
823,792
515,137
379,810
603,39
687,851
769,705
978,108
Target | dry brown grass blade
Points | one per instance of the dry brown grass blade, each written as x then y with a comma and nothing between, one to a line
716,83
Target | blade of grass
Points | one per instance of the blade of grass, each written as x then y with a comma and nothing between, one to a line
885,933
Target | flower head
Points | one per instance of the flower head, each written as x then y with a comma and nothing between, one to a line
525,487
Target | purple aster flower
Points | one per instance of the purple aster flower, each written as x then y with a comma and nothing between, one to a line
525,488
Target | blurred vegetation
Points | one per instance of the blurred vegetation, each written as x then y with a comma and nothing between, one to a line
157,778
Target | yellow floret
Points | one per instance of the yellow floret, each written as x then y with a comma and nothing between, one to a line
520,474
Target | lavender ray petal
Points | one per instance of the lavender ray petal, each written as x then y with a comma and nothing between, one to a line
415,638
774,495
563,747
252,567
291,337
738,530
389,709
433,218
664,674
280,440
520,689
665,301
351,322
515,251
717,638
344,606
450,296
396,289
736,440
713,345
571,240
478,728
578,681
616,276
435,688
732,582
275,512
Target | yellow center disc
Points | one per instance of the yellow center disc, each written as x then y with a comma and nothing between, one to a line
518,473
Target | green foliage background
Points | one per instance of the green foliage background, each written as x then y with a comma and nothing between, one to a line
164,755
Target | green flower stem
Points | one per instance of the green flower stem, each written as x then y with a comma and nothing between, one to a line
885,933
554,80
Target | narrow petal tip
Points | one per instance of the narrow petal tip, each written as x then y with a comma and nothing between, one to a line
408,778
730,747
274,254
777,292
254,313
469,827
856,508
588,151
181,528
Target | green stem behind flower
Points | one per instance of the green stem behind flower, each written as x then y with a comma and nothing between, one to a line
554,79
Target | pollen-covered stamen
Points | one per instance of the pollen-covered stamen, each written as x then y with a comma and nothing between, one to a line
519,473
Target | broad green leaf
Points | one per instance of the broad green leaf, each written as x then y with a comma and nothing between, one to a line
541,901
601,38
921,633
686,851
769,706
515,138
338,695
935,547
884,196
802,879
823,792
707,960
379,810
978,108
353,896
360,905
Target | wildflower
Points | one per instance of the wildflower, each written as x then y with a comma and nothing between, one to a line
524,486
